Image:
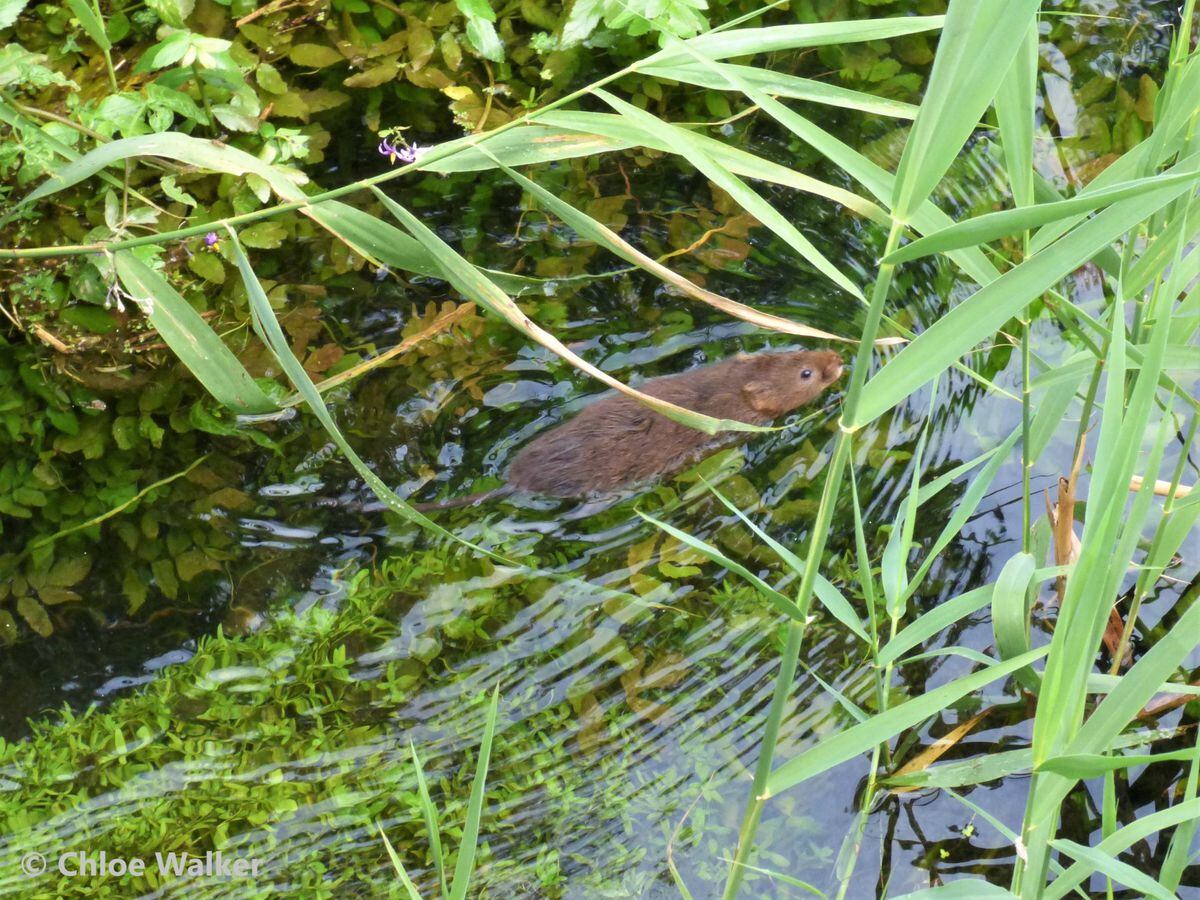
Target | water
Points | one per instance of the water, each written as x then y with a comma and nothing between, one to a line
634,679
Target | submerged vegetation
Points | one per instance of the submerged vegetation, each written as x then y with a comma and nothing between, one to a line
193,254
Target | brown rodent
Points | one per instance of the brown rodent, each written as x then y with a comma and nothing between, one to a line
618,442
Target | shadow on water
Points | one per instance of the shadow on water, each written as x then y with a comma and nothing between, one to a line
633,683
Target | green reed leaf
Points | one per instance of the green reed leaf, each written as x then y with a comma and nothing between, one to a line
1114,868
194,151
191,338
983,313
989,227
783,85
976,49
738,161
464,868
771,39
1015,100
683,142
829,596
474,285
782,603
269,330
589,228
838,748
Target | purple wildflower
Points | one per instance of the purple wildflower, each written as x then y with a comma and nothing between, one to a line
412,153
212,242
406,154
388,149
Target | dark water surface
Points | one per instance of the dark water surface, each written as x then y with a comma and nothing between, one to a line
622,718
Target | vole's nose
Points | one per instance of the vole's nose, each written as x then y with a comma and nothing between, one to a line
833,372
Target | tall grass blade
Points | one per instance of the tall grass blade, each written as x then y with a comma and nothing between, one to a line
589,228
1122,839
191,338
983,313
465,865
975,51
829,596
1010,613
1015,101
474,285
172,145
398,866
272,335
991,226
882,727
782,603
736,160
1114,869
782,85
771,39
432,826
682,142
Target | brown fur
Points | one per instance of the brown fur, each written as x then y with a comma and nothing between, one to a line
617,442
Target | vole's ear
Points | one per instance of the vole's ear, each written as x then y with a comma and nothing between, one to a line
760,397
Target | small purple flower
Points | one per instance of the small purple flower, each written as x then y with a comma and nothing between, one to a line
412,153
406,155
388,149
212,242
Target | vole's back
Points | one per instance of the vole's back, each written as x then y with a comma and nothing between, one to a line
617,441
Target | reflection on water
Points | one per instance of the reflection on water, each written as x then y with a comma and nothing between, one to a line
633,686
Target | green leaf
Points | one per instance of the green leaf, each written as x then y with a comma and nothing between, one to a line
748,41
783,85
9,10
35,615
683,142
194,151
398,866
465,866
429,811
1114,869
264,235
828,595
89,21
476,286
20,68
374,239
1091,765
976,49
589,228
483,37
90,318
1122,839
981,315
1015,99
615,128
172,12
315,56
991,226
845,745
191,338
269,330
1010,613
781,603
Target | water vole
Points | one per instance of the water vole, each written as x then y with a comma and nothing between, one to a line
617,442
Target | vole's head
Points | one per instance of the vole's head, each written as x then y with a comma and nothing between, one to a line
782,382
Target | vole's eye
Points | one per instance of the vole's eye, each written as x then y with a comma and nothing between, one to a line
806,374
